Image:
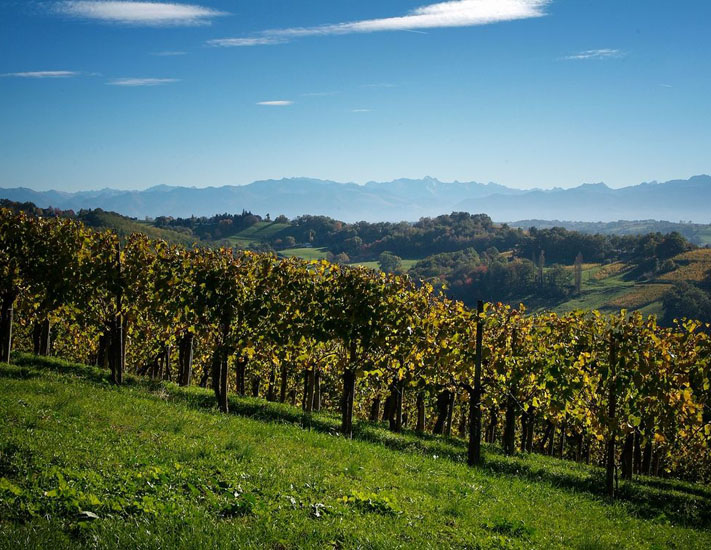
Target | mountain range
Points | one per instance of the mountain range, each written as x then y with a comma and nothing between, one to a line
402,199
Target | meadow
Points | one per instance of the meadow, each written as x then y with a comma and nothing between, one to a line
85,464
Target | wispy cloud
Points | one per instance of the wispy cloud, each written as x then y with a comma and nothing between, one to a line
605,53
242,42
279,103
42,74
361,110
454,13
380,85
135,82
169,53
156,14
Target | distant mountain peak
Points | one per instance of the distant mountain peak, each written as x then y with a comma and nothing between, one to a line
595,186
161,187
397,200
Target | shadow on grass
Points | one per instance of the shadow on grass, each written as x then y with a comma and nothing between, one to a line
11,372
649,498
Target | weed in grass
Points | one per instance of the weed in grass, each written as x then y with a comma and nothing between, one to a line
511,528
242,505
239,450
370,502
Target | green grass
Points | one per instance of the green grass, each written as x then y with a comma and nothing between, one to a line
259,232
305,253
263,230
150,465
406,264
597,294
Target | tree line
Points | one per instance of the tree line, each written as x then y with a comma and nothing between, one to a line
615,390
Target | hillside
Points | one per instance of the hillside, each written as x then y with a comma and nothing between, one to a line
123,226
610,287
396,200
150,465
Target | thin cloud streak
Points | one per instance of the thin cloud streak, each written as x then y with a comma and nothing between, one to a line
244,42
605,53
454,13
279,103
137,82
42,74
154,14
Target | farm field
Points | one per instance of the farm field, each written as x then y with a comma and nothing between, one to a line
259,232
304,253
84,464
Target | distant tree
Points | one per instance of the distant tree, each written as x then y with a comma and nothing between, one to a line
541,265
281,218
341,258
557,281
578,273
493,253
260,247
289,242
671,245
667,266
687,300
389,263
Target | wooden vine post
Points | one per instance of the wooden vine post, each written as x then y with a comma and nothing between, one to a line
474,451
116,352
612,415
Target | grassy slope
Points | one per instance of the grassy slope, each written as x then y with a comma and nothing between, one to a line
305,253
259,232
606,287
261,478
125,226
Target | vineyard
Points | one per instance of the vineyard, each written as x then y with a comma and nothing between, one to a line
615,390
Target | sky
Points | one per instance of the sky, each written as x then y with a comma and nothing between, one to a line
525,93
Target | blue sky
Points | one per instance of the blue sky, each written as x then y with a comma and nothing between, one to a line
527,93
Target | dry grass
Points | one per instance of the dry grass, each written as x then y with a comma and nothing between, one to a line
609,270
640,296
698,255
694,265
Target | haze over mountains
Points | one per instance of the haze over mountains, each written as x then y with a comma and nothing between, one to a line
402,199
